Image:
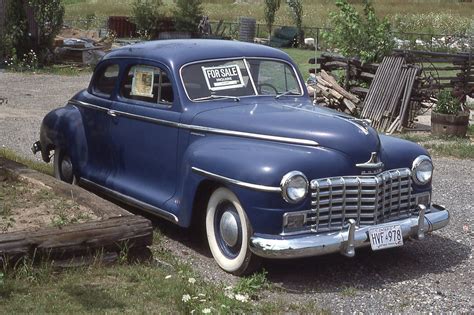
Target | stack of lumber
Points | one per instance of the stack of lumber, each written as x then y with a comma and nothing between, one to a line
388,100
331,94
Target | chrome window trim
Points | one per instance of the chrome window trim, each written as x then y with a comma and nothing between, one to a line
131,201
199,128
235,181
244,60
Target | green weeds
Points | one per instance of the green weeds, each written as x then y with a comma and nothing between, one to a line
462,148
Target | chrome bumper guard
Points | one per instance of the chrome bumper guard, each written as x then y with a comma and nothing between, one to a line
346,241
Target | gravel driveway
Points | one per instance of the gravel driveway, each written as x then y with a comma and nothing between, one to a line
434,275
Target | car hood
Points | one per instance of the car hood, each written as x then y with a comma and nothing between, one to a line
328,128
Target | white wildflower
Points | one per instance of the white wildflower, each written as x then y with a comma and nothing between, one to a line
242,297
168,276
201,294
192,280
186,298
206,311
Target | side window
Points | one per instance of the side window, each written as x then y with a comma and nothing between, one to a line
105,83
148,84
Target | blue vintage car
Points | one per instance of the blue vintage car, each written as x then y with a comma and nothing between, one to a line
223,133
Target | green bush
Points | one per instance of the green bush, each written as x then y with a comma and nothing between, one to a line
359,35
15,39
17,43
148,15
187,15
447,103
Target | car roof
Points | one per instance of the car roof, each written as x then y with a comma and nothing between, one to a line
177,52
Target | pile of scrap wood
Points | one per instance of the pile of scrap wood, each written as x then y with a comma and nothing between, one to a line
329,93
389,100
79,47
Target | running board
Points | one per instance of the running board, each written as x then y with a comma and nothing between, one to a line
130,201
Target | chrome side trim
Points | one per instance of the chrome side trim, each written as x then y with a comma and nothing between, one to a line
199,128
251,135
131,201
344,242
235,181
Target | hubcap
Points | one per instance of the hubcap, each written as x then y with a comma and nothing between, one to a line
229,228
66,169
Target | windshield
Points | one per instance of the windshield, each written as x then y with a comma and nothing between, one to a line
236,78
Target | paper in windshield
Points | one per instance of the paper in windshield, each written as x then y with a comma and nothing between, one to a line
223,77
142,84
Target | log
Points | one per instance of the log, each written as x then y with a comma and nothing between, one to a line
111,235
350,106
338,88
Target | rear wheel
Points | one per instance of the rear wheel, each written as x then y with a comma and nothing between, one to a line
63,167
228,232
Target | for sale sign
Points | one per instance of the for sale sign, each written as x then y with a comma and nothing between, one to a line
223,77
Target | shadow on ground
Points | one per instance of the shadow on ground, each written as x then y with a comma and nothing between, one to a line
367,270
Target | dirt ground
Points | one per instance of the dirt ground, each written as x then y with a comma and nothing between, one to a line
27,206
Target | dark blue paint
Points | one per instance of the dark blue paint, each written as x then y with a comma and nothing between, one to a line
152,162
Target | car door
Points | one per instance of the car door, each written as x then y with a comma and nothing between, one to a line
94,160
144,132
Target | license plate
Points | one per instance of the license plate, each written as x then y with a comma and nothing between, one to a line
386,237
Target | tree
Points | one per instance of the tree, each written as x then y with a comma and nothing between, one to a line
356,35
15,40
296,7
148,15
187,15
271,7
49,16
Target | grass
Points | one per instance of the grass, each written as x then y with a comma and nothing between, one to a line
38,166
301,57
126,288
315,12
462,148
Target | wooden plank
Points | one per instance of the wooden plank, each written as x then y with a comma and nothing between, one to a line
72,240
338,88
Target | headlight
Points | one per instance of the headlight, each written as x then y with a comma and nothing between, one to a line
422,170
294,187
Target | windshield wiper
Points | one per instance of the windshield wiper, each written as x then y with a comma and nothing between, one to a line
214,97
287,93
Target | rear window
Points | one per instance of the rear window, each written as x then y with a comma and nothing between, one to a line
105,82
147,84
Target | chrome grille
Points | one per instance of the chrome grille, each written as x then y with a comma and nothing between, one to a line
367,199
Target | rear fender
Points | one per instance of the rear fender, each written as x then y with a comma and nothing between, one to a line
63,128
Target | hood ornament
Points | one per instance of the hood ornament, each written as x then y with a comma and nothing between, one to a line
372,166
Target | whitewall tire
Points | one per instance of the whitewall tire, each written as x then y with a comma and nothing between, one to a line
228,232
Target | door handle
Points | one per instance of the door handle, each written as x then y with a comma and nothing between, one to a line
112,113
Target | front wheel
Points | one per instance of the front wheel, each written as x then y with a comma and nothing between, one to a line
63,167
228,233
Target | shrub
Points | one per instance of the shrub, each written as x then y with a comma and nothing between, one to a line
148,14
356,35
16,30
187,15
447,103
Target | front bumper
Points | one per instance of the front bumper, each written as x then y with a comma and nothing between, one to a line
345,241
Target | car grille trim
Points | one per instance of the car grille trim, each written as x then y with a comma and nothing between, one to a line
369,200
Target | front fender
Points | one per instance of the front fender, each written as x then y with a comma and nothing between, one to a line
255,162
